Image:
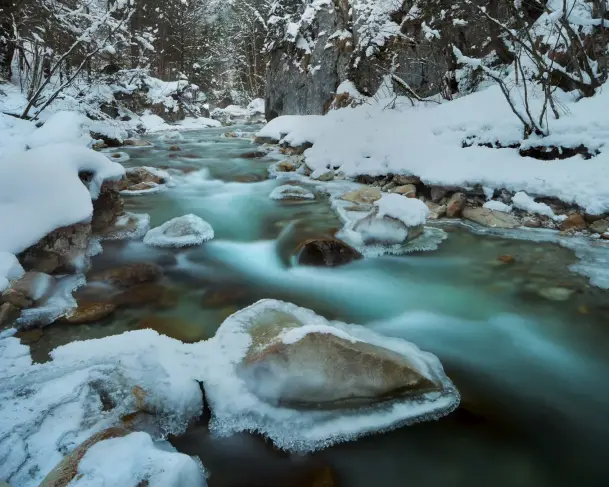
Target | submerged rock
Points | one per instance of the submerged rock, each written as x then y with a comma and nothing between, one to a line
184,231
138,143
150,293
128,275
490,218
90,313
307,383
174,327
328,252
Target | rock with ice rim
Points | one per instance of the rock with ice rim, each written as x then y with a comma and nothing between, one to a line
308,383
395,219
290,192
184,231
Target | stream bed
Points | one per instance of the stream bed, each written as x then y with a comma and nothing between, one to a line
531,362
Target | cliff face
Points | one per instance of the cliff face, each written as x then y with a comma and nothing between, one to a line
314,45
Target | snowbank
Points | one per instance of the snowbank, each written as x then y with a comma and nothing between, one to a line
10,269
40,191
427,140
69,127
154,123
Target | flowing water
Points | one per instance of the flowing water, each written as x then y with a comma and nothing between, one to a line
533,371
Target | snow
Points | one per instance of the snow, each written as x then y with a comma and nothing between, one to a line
427,140
61,127
524,202
306,430
130,460
294,335
183,231
154,123
46,410
10,269
40,191
256,106
410,211
497,206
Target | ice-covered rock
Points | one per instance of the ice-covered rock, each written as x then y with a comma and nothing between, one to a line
10,269
307,383
394,220
47,410
291,192
117,457
183,231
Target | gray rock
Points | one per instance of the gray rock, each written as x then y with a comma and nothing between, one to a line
599,226
437,193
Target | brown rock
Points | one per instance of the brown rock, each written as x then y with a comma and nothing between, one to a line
137,143
28,289
437,193
253,155
605,236
128,275
574,222
490,218
435,210
364,195
328,252
340,373
148,294
90,313
531,222
592,218
8,313
174,148
403,180
408,190
248,178
17,299
455,205
324,176
285,166
323,476
58,251
222,296
29,337
138,175
506,259
599,226
107,207
174,327
63,474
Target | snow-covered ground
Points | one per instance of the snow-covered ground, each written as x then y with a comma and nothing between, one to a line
427,140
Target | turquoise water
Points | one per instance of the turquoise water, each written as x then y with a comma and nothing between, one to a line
532,371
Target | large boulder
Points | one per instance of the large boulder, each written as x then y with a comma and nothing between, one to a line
61,251
306,382
129,275
340,371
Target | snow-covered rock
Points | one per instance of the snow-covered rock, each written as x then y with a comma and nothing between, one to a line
183,231
128,460
307,383
395,219
523,201
144,180
291,192
42,191
47,410
497,206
